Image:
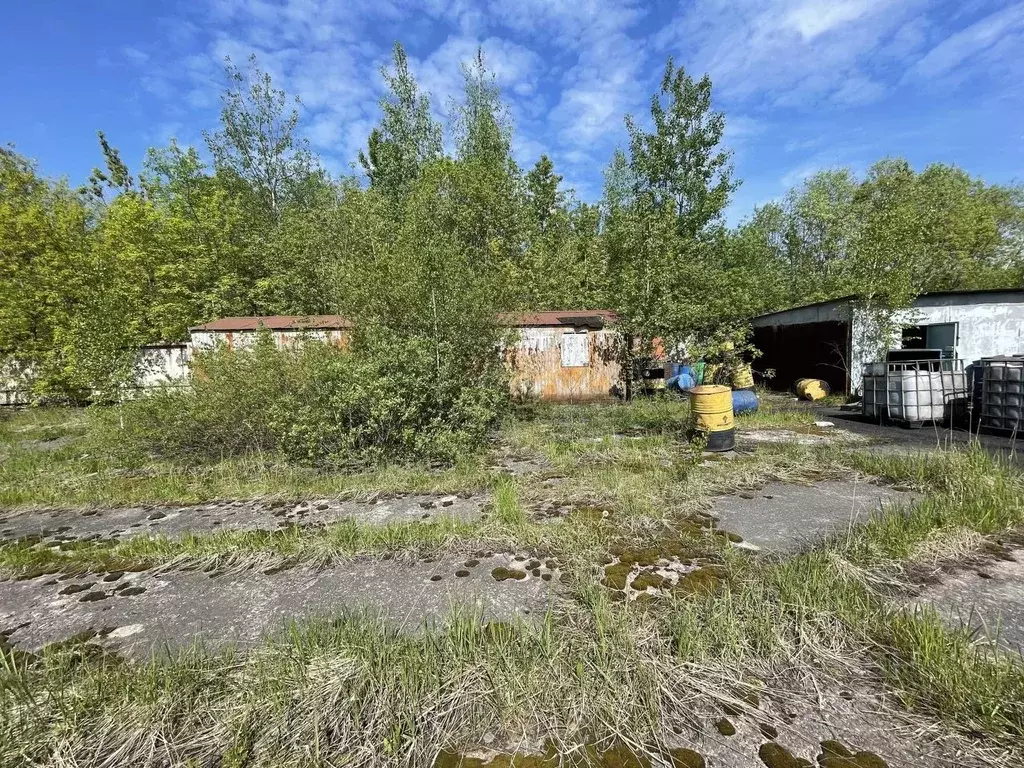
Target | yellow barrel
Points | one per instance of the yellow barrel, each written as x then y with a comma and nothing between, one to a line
742,377
811,389
711,406
710,372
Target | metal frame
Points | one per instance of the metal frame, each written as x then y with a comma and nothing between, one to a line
951,392
1002,394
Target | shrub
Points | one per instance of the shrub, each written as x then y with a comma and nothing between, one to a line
388,397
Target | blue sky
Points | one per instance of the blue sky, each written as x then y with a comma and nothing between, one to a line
804,84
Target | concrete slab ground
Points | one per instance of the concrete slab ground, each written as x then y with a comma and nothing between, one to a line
787,518
858,716
892,438
988,598
173,521
138,613
749,439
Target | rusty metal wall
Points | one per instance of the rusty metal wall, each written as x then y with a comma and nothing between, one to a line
544,367
243,339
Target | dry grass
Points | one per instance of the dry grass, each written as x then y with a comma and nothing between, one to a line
353,690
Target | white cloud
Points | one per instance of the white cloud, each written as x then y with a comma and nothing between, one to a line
858,90
976,39
739,128
515,67
571,69
135,56
813,18
790,53
800,174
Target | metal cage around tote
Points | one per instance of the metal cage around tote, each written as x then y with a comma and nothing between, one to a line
915,392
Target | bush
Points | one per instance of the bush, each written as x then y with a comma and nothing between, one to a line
388,397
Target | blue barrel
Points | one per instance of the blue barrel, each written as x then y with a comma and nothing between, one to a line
682,383
744,401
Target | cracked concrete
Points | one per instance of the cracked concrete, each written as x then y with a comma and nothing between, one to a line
143,612
57,525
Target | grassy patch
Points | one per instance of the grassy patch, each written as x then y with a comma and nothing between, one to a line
594,671
967,490
80,472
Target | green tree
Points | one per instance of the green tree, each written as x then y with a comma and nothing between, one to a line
550,276
407,137
823,229
483,126
755,260
258,142
494,217
116,176
663,233
972,232
44,274
680,164
545,200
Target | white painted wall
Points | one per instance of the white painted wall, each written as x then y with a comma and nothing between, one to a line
161,364
14,384
244,339
989,324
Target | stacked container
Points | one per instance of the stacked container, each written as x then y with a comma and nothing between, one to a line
1002,392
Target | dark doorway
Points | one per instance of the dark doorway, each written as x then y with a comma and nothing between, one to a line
805,351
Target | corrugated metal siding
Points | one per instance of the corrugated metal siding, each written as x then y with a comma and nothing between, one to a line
537,365
543,365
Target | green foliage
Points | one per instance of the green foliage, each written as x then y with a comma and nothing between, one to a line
663,236
314,404
257,145
407,138
483,126
885,238
435,246
47,274
226,411
680,165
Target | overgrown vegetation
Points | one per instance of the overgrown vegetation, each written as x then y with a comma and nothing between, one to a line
421,259
315,404
594,671
428,243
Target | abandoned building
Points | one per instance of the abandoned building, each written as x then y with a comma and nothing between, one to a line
822,340
285,329
564,355
570,355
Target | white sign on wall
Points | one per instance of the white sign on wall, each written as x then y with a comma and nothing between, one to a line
575,350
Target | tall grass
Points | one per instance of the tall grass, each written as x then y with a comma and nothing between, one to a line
354,690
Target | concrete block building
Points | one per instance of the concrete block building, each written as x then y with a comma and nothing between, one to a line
821,340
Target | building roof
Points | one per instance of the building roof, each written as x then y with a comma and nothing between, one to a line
930,294
276,323
590,318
